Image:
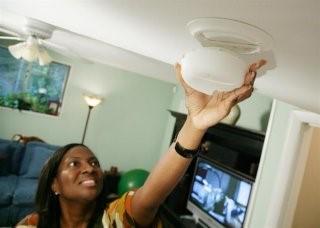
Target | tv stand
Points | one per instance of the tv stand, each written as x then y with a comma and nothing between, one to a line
171,219
192,222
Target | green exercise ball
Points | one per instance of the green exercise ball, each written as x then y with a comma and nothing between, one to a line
131,180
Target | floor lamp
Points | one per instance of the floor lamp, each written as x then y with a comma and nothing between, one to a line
92,101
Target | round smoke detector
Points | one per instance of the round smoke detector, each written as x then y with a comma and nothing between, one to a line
219,64
234,35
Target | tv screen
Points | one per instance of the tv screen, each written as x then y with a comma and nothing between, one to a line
218,195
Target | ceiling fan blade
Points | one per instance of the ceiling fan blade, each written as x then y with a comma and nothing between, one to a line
10,31
11,38
62,50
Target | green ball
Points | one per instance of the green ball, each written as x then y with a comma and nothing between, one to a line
131,180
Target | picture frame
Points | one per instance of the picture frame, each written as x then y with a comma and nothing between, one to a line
54,107
28,86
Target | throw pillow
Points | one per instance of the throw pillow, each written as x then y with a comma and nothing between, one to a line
29,151
38,158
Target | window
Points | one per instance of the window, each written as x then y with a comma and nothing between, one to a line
29,86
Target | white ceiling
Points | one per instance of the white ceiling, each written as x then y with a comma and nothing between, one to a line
148,36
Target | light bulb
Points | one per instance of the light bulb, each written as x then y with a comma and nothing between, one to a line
92,100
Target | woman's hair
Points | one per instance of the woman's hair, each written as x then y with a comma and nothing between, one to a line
47,203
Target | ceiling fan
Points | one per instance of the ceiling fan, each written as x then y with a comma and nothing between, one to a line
35,41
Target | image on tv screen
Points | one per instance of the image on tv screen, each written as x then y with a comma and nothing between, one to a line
219,194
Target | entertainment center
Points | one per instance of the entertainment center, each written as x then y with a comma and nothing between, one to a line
216,189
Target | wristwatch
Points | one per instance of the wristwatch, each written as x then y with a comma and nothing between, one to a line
185,152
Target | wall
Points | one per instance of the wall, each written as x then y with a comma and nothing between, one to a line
126,130
308,205
254,113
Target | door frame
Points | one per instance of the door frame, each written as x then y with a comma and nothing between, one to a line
292,165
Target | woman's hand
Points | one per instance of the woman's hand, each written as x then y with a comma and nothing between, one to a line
207,110
204,111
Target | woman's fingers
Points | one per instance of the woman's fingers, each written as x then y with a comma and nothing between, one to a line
250,77
239,94
246,94
257,65
252,72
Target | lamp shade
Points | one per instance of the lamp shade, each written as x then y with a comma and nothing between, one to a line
211,68
30,51
92,100
16,50
44,57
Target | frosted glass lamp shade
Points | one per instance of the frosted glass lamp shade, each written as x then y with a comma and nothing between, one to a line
92,100
30,54
30,51
44,57
17,50
210,68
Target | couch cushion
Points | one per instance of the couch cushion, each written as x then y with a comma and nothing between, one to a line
6,216
8,186
40,156
12,153
16,151
4,157
32,154
25,191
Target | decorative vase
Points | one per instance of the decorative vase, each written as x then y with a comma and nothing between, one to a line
233,116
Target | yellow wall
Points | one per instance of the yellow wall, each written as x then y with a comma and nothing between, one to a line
307,213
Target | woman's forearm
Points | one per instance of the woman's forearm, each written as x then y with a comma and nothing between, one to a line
206,111
167,173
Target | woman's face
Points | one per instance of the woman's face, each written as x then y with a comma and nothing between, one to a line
79,176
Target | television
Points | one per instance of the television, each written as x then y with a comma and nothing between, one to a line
218,197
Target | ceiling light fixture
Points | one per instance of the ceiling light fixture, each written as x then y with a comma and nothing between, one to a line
31,51
220,64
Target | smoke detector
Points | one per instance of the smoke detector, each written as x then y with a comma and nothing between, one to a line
220,64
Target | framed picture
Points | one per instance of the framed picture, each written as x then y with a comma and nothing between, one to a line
54,107
29,86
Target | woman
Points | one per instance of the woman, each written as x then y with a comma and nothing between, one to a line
70,190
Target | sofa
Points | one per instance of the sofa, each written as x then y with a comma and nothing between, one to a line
20,167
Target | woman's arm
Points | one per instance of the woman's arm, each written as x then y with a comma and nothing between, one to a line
203,112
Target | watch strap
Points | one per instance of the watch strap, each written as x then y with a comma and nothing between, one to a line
186,153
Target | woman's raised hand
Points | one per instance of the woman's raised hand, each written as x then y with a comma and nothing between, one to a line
207,110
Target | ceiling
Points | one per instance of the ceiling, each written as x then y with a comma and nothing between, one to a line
149,36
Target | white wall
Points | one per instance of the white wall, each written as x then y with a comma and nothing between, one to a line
254,113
